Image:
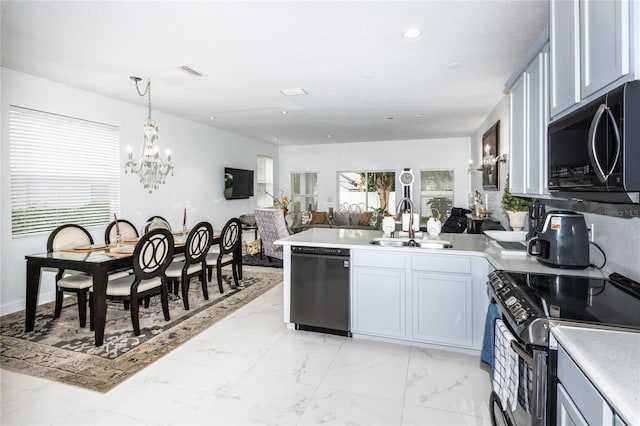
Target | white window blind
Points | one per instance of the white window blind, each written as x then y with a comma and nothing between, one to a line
264,180
63,170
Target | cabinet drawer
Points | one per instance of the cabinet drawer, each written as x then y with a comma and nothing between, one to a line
591,404
440,263
378,259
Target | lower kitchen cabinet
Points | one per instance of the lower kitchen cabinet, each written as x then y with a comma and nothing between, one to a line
578,401
378,304
442,308
431,298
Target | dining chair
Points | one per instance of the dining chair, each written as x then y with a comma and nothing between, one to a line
196,248
151,257
271,227
64,237
155,222
227,252
127,231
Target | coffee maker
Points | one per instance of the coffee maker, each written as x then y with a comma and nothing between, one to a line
562,242
536,218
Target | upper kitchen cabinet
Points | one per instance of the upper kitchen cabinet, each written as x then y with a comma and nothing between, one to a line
591,49
528,118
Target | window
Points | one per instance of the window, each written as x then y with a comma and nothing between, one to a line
264,181
362,191
63,170
304,191
436,193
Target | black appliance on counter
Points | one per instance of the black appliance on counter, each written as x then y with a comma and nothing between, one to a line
528,303
320,296
594,152
562,242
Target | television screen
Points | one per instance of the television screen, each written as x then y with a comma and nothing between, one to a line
238,183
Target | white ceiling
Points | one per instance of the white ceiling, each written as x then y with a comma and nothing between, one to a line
365,82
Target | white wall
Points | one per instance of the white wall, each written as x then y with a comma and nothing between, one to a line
199,153
327,159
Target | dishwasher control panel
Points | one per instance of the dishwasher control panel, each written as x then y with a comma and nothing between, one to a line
326,251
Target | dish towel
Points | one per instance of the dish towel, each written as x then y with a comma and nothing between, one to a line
505,374
486,356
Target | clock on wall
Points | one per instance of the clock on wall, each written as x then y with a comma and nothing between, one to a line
406,177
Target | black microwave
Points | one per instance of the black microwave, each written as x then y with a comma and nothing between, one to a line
594,152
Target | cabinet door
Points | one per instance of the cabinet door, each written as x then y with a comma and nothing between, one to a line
537,108
565,50
604,47
518,139
378,301
567,413
442,308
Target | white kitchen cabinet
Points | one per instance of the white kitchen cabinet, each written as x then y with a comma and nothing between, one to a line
591,49
578,401
442,308
604,43
528,139
564,17
378,294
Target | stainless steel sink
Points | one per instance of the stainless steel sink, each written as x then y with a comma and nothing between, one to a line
406,242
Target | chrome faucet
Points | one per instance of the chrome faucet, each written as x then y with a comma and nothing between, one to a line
412,233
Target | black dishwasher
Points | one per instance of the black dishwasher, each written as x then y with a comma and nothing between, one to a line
320,289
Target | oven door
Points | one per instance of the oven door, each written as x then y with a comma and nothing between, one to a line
532,384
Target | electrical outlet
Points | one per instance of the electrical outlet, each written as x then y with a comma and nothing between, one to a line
592,232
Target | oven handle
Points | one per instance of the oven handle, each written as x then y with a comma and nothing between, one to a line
528,359
539,379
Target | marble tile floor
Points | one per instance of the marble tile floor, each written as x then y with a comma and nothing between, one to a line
250,369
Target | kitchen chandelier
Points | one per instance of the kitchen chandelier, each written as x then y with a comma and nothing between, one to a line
150,167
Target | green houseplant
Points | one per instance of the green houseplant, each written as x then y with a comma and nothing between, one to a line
515,207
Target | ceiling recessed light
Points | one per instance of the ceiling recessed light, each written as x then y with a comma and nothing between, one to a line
412,33
453,65
285,112
296,91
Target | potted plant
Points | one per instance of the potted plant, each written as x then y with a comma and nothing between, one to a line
515,207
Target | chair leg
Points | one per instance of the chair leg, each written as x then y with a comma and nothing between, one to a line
91,322
82,307
135,306
164,299
219,271
185,292
58,309
234,267
209,272
203,281
147,299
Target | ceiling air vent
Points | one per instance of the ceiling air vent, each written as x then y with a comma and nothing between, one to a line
194,72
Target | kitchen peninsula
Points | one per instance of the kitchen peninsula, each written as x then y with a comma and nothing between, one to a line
414,295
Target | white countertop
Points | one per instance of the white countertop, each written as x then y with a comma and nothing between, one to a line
611,361
467,244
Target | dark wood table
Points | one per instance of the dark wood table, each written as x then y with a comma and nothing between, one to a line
97,263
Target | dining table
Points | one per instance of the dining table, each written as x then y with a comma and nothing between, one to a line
98,260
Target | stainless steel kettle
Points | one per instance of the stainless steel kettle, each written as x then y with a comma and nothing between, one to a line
563,241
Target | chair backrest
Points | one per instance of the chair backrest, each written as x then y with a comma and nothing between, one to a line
156,222
272,227
152,254
67,237
230,236
127,231
198,243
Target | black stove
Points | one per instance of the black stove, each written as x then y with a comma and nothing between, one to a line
529,301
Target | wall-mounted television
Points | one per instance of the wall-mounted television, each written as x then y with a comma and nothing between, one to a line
238,183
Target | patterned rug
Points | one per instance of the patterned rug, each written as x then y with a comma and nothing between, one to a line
58,349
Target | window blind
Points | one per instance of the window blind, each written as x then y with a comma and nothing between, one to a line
63,170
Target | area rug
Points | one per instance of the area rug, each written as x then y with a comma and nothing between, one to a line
58,349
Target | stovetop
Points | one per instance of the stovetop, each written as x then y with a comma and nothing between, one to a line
528,301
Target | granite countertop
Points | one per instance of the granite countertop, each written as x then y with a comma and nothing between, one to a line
467,244
610,360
